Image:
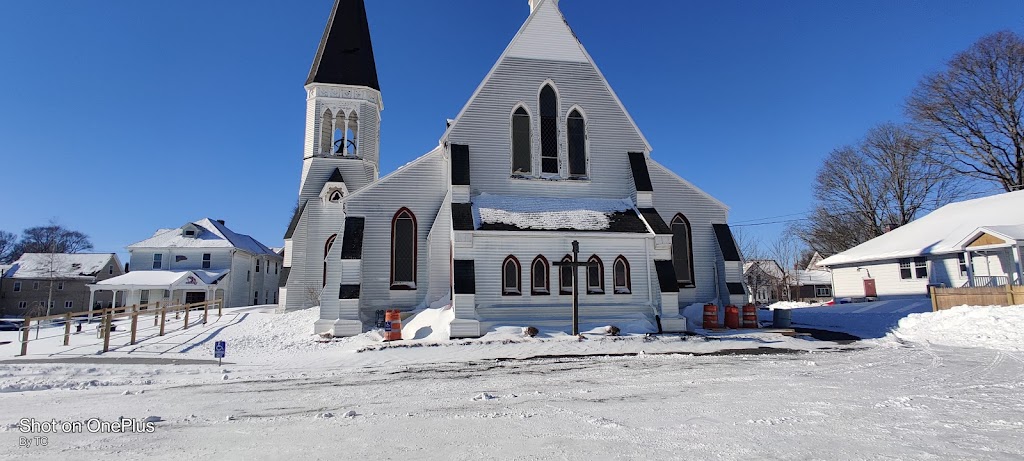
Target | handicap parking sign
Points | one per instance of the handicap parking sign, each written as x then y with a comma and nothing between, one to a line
218,349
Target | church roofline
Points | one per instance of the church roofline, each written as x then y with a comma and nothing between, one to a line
345,54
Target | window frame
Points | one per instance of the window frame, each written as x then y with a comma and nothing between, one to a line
529,139
819,293
60,286
627,288
680,219
158,260
565,285
17,287
585,140
207,260
546,288
403,284
69,304
553,122
906,269
593,261
507,290
921,267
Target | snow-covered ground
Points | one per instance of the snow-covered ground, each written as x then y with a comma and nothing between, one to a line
916,393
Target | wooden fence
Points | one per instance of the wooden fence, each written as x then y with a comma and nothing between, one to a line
947,298
108,315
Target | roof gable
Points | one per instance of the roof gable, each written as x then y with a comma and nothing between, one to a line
213,234
60,265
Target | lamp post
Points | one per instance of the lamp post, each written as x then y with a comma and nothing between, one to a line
575,264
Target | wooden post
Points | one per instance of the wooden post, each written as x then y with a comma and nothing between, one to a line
107,319
163,320
206,311
67,329
187,309
1009,294
155,319
135,325
935,299
24,335
220,306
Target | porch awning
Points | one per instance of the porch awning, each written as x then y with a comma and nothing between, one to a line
161,280
993,237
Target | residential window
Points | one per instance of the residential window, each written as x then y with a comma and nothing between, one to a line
921,268
565,276
682,250
403,250
905,270
275,268
621,276
540,276
822,292
257,266
207,260
522,156
60,285
548,130
577,144
158,261
190,233
110,269
511,277
248,275
35,285
256,298
22,304
963,264
595,275
17,287
144,297
68,304
275,297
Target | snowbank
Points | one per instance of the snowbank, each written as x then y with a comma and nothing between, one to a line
791,305
967,326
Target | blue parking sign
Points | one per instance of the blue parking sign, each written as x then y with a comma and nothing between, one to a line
218,349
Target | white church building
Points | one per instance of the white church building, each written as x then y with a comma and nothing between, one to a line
543,154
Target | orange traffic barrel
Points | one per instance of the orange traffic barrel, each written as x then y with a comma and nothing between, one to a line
710,316
393,325
750,316
732,316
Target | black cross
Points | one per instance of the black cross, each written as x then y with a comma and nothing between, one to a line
575,265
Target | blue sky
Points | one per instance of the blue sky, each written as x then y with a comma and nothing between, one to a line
119,117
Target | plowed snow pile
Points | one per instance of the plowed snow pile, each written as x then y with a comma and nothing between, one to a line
967,326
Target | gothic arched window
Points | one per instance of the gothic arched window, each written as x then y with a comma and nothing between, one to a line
577,128
326,131
522,157
682,250
511,277
620,276
403,250
595,275
539,276
327,249
548,130
565,276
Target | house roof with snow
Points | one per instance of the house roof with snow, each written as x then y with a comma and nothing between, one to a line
812,277
769,267
942,231
160,279
514,213
208,233
60,265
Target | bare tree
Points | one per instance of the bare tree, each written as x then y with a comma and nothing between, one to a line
786,250
7,243
973,110
51,238
885,181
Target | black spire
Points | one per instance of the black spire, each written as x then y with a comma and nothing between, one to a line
345,55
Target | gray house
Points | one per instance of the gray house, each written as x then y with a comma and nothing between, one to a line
25,285
543,154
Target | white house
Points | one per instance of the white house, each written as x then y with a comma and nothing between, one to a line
935,250
543,154
195,262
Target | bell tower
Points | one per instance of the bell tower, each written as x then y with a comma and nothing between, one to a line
343,99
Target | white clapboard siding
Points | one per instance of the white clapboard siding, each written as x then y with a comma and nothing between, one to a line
440,247
673,195
485,126
421,187
357,174
319,222
490,248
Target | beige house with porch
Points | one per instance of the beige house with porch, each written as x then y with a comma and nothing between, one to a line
974,243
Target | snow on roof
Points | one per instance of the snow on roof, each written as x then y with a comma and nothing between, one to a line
813,277
212,234
162,278
940,231
767,266
544,213
58,265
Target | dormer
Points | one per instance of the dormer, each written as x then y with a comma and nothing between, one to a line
190,231
334,189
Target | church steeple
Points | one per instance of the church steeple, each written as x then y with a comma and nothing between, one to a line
345,55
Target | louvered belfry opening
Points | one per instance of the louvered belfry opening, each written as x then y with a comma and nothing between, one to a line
548,130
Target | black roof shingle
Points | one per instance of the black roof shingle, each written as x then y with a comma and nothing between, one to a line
345,55
641,176
462,216
726,242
